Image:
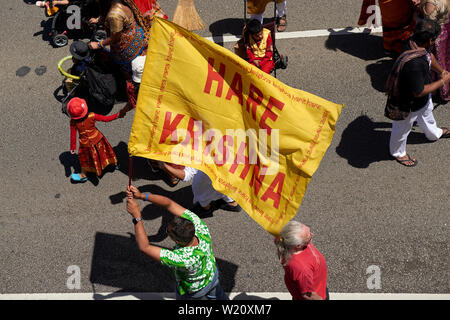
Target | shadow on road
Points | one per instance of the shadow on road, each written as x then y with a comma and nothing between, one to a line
182,196
226,26
379,72
118,263
367,47
364,46
231,26
70,162
141,167
46,30
365,141
245,296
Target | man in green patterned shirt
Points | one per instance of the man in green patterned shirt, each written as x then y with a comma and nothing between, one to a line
192,259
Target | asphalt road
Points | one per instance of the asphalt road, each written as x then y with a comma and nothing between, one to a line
364,208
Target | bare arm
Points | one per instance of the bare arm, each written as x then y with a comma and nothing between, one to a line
311,296
139,230
60,2
111,39
178,173
435,65
429,88
168,204
106,42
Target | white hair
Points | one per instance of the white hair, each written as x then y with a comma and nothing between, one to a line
288,240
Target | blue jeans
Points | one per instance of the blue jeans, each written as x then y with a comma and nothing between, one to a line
213,291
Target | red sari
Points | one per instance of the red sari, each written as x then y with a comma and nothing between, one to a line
95,153
398,21
364,16
150,7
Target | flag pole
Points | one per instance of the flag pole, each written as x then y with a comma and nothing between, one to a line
130,170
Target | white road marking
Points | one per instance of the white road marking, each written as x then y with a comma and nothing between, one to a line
232,295
305,34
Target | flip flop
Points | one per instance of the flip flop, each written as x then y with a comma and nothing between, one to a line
231,208
77,178
222,204
409,159
445,133
174,181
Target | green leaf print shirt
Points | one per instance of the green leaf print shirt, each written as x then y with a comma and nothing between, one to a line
193,267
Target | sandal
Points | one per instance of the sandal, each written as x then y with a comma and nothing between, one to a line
228,207
174,181
281,23
77,178
445,133
408,159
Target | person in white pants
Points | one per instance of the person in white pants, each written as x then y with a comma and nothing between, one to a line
415,87
204,193
401,130
281,15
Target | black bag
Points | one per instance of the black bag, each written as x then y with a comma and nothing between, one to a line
102,86
393,111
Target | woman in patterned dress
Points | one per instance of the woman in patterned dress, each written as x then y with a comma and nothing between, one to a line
128,29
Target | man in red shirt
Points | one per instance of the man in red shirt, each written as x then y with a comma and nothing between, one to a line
304,266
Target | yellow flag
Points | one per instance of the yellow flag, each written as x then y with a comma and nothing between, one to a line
201,106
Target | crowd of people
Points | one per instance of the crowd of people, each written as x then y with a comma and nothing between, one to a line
127,24
415,32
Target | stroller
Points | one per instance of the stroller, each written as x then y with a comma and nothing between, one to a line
280,61
101,84
61,31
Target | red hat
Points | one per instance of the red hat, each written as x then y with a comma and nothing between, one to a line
77,108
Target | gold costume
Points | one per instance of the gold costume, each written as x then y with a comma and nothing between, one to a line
258,6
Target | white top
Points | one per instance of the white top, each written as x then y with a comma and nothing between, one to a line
204,193
189,173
